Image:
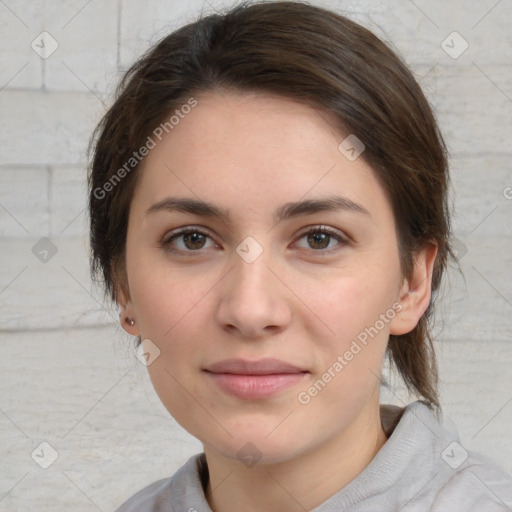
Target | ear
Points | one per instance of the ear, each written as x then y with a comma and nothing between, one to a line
416,291
127,316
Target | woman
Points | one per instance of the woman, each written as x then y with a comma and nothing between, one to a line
268,201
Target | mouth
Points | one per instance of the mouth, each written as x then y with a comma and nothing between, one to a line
267,366
253,380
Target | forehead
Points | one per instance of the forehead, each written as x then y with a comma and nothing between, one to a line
235,125
246,149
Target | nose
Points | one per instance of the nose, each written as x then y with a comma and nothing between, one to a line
252,300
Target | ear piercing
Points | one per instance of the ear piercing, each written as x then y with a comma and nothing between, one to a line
129,321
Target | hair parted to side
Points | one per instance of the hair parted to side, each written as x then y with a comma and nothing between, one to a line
311,55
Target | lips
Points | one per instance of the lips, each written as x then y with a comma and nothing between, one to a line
254,380
267,366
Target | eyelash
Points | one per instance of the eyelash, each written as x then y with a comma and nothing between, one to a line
318,229
342,239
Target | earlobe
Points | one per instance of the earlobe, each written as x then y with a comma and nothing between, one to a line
415,294
127,314
129,325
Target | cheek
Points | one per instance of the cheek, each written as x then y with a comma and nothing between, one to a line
349,303
173,311
164,297
357,307
358,312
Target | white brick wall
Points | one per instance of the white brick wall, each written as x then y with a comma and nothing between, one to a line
68,373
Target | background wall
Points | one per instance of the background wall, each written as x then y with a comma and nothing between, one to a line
68,375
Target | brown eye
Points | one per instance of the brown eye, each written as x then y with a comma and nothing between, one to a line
194,241
319,240
187,240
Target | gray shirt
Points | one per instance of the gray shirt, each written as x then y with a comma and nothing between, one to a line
421,467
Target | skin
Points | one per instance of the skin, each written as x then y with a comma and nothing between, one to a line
250,154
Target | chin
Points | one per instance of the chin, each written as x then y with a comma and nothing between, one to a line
258,443
256,452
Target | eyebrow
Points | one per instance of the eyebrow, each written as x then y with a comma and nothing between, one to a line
284,212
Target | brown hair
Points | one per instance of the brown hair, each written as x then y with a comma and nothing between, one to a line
311,55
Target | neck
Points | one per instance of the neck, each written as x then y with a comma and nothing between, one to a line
299,484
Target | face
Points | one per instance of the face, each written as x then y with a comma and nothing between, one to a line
294,257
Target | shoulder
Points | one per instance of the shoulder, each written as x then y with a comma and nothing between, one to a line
180,493
478,484
431,468
153,498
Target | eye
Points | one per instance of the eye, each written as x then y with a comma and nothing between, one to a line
321,239
189,239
